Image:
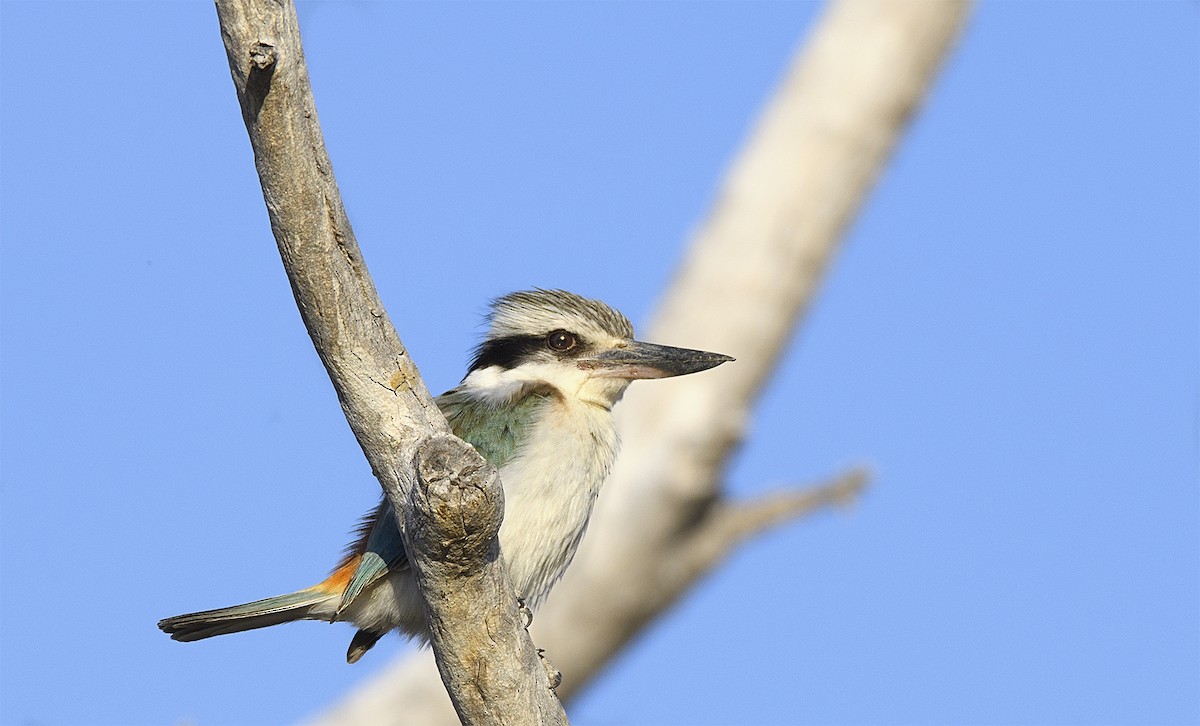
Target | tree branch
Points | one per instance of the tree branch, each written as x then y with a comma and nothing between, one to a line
453,522
379,387
728,524
492,670
741,520
749,275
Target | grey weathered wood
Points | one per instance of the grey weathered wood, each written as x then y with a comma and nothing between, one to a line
453,524
750,272
378,385
486,657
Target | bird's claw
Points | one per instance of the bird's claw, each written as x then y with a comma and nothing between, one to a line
552,673
525,612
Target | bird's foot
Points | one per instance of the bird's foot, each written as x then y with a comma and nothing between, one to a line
525,612
554,674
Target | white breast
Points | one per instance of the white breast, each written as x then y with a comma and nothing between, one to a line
549,489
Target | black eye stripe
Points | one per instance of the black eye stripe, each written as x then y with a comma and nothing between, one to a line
506,352
511,351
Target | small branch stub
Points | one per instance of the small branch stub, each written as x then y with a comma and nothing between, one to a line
451,533
457,506
262,55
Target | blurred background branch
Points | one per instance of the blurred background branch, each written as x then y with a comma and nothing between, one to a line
744,284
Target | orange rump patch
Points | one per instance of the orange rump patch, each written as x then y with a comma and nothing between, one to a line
337,581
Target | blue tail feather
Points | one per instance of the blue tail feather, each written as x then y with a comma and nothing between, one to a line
248,616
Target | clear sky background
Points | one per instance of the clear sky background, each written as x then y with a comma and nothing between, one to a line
1009,337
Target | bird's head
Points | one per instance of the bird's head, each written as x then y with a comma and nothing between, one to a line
582,348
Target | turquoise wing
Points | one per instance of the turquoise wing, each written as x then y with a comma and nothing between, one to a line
496,432
384,552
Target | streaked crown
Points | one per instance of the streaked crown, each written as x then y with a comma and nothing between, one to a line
545,325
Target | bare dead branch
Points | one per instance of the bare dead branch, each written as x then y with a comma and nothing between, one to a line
453,523
379,387
728,524
741,520
493,672
749,275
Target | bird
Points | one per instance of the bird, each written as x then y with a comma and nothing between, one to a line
537,403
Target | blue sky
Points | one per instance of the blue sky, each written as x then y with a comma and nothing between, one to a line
1009,338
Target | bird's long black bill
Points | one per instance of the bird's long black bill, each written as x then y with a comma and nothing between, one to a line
648,360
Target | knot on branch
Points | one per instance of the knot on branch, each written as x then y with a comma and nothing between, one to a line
258,81
262,55
456,506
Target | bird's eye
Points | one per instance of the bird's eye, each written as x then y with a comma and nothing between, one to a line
561,340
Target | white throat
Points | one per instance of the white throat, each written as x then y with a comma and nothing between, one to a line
499,386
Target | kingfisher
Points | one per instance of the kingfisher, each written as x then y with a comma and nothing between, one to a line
537,403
